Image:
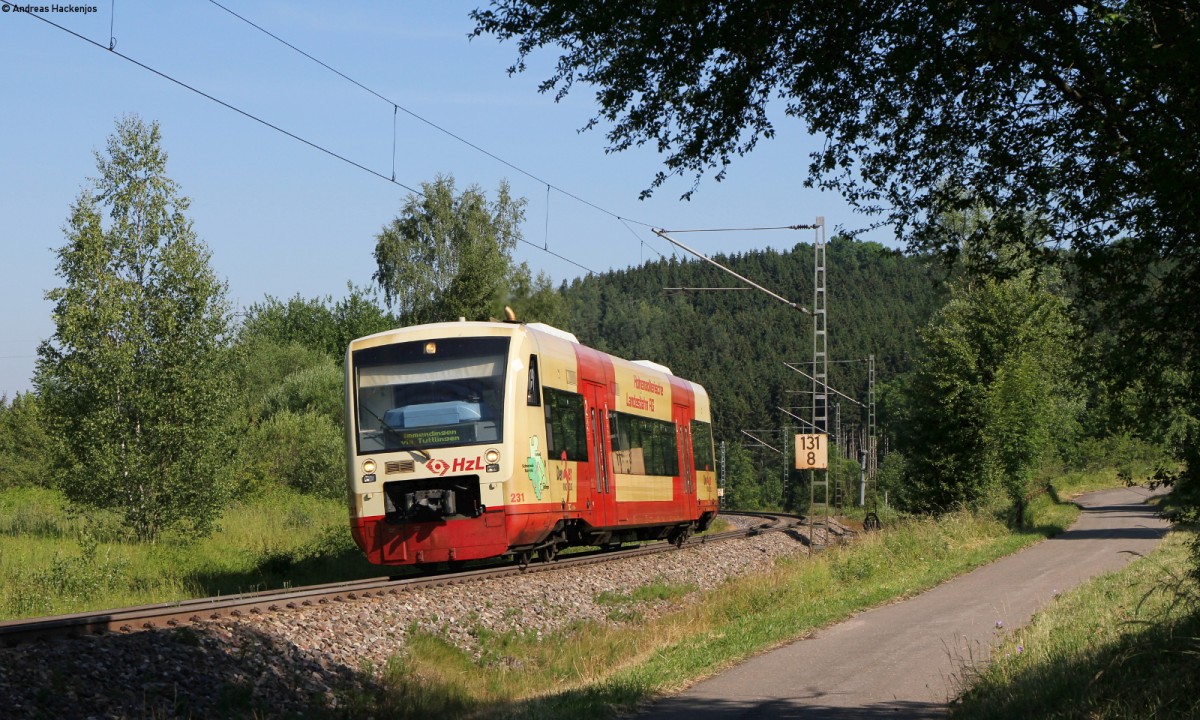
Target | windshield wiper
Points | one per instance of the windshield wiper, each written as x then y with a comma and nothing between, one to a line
389,430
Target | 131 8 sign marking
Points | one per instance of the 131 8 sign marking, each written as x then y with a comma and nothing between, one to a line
812,452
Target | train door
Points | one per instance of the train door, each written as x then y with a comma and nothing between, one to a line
604,505
682,417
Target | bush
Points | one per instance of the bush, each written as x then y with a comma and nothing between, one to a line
70,581
742,488
301,450
316,389
27,452
264,364
1133,457
890,478
845,476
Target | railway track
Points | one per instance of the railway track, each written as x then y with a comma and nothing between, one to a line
189,612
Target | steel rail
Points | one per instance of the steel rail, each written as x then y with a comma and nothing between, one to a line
190,612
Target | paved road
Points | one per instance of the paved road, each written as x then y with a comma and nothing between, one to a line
900,661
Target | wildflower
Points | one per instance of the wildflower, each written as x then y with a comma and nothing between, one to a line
999,623
1020,649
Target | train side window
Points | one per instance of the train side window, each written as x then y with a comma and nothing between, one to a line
702,445
533,394
643,446
566,425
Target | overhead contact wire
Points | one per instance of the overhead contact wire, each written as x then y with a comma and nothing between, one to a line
430,123
639,238
395,108
234,108
393,143
275,127
747,229
560,257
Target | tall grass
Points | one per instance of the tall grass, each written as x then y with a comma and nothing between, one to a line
1123,645
55,561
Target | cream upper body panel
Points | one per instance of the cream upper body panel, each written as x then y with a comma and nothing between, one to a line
433,331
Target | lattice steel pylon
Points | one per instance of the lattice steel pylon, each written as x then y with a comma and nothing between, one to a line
872,450
819,498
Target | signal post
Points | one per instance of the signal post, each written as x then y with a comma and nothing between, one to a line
812,454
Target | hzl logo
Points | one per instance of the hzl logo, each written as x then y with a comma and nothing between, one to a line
441,467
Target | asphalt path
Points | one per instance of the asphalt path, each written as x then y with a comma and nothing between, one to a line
905,660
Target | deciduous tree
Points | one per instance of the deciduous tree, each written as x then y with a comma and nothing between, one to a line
534,299
135,378
321,324
448,254
26,449
1084,116
990,396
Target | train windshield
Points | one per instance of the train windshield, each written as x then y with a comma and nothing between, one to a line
430,393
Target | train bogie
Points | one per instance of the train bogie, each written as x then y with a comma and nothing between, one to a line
474,440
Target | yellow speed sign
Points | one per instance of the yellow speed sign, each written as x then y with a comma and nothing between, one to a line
812,452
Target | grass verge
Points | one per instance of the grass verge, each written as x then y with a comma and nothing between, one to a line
54,561
1123,645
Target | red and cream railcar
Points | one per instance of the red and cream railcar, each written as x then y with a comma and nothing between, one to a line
476,439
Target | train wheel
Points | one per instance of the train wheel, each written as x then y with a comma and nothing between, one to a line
679,537
871,522
548,553
523,559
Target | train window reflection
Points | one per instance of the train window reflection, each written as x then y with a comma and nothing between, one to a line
566,433
409,398
643,446
702,445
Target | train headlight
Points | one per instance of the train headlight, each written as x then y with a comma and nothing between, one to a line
492,455
368,467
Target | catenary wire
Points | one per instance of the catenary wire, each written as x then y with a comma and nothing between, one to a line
396,106
277,128
428,122
643,242
560,257
468,143
221,102
747,229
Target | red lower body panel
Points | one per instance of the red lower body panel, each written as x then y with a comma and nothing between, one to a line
408,543
497,531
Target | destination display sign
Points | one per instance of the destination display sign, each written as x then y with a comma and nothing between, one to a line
434,436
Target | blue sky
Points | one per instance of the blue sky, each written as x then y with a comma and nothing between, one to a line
282,218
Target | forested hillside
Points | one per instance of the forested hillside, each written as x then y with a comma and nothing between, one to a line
735,343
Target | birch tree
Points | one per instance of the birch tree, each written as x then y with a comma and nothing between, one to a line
135,377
